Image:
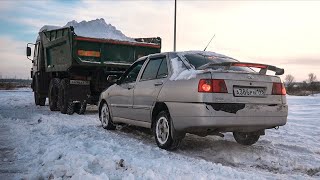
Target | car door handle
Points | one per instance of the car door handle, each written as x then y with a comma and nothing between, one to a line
158,83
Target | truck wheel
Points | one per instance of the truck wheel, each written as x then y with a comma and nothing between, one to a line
70,108
80,108
38,100
162,132
66,106
105,118
53,94
246,138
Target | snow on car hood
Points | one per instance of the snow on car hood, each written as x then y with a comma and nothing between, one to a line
95,29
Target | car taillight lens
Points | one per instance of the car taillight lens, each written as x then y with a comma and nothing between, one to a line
205,85
278,89
212,86
219,86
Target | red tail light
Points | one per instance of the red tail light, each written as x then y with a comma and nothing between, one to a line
212,86
219,86
278,89
205,85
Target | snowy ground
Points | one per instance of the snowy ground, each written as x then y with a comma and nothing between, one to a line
39,144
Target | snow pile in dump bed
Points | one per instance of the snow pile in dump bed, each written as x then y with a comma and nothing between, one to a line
95,29
54,145
48,28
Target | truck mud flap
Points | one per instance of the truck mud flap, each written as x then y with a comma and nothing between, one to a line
79,90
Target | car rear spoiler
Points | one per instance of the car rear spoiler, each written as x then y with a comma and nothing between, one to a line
263,67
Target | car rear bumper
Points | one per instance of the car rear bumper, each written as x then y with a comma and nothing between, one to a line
226,117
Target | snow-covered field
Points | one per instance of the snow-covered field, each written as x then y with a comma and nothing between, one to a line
48,144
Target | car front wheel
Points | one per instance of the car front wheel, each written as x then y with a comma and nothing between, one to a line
105,118
163,134
246,138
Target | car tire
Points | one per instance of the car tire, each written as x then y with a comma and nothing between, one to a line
53,94
105,117
246,138
66,106
163,132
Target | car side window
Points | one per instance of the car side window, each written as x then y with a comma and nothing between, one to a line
163,69
155,69
151,70
132,73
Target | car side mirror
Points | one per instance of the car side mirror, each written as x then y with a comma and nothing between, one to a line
28,51
112,78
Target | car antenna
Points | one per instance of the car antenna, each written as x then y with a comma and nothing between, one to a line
209,42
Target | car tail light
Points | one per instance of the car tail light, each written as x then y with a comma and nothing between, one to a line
205,85
219,86
212,86
278,89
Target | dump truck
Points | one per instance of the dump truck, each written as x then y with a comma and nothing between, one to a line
73,70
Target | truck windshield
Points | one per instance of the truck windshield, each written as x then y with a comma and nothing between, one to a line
198,60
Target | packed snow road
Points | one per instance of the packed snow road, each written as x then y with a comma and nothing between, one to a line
37,143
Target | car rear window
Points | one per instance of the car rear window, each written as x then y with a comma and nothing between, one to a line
198,60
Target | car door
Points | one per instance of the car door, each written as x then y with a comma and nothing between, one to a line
121,97
148,87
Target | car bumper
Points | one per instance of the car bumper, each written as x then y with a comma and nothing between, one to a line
190,117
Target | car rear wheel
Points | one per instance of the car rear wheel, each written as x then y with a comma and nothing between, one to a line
246,138
163,134
105,118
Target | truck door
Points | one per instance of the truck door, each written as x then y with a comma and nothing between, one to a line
148,87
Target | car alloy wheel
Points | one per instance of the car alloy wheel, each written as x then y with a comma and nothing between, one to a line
162,130
105,118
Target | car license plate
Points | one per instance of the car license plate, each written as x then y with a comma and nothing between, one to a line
245,91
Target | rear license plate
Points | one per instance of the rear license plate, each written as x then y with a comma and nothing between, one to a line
249,92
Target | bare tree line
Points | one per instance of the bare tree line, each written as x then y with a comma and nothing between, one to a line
307,87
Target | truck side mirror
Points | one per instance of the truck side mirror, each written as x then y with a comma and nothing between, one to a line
28,51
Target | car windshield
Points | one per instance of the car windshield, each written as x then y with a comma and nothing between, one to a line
198,60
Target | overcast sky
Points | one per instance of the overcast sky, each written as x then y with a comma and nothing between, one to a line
285,34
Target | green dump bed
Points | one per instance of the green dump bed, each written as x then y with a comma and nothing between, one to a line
63,49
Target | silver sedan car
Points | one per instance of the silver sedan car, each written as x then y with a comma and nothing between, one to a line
202,93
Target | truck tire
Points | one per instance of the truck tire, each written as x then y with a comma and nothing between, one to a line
38,100
53,94
66,106
163,134
80,108
246,138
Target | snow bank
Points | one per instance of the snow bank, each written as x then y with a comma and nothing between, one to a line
54,145
95,29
